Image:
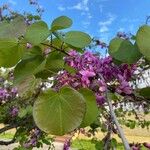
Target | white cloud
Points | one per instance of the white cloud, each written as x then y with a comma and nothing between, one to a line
61,8
12,2
83,6
104,29
109,21
105,24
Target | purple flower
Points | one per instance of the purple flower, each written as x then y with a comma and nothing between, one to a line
124,86
26,145
85,77
33,141
66,145
102,86
100,100
14,111
147,145
28,46
14,91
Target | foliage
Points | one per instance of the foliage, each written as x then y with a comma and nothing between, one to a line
61,87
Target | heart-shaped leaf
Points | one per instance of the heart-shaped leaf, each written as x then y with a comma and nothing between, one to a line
10,52
124,51
61,22
143,40
59,112
14,29
37,33
77,39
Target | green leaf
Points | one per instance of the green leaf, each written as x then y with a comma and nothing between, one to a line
113,96
91,107
58,44
27,87
37,33
32,52
113,142
145,92
59,112
70,69
77,39
55,62
14,29
10,52
143,40
124,51
99,145
28,67
61,22
24,111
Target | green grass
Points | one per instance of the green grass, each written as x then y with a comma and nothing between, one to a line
88,145
6,136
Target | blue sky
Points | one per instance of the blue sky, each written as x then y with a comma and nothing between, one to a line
99,18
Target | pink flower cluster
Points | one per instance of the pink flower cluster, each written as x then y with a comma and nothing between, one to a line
96,73
7,94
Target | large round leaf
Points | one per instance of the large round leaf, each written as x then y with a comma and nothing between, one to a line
124,51
143,40
10,52
77,39
145,92
59,112
15,28
61,22
91,107
37,33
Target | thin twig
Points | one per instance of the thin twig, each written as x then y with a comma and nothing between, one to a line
114,119
6,128
51,46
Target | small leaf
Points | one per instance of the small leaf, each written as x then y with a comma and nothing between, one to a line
32,52
91,107
27,68
77,39
37,33
145,92
59,112
143,40
124,51
24,111
27,87
10,52
113,143
55,62
61,22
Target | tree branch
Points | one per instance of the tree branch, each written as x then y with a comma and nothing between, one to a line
114,119
8,128
120,131
8,142
51,46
